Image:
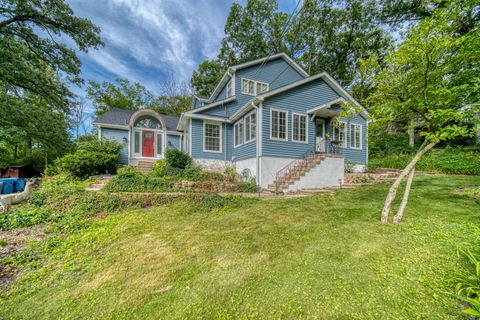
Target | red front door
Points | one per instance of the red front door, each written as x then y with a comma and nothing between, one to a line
148,144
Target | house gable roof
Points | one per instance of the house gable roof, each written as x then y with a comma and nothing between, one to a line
121,118
231,70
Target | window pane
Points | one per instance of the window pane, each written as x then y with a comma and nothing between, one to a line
247,129
159,143
147,122
253,125
296,127
212,137
137,142
282,125
251,87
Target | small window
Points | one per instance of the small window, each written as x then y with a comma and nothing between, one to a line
159,144
278,125
229,89
355,136
136,141
339,133
238,132
212,137
261,88
248,87
250,127
299,123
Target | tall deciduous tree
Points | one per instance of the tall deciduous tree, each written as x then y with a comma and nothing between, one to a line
327,35
433,76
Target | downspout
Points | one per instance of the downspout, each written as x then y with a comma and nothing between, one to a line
259,108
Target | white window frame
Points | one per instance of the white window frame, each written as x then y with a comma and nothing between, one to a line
238,123
286,124
205,122
255,84
158,155
251,131
352,136
345,130
230,89
306,127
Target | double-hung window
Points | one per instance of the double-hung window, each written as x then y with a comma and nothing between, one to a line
299,127
250,127
355,136
278,124
238,133
212,137
339,133
229,89
253,88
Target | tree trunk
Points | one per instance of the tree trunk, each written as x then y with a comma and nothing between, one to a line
393,189
411,133
398,217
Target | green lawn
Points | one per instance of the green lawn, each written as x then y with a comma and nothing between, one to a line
320,257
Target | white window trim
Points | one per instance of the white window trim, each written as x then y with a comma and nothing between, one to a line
155,132
244,127
345,141
351,135
306,128
255,93
286,124
235,133
205,122
158,155
230,83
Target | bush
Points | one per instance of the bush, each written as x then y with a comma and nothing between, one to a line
91,158
468,286
177,159
447,160
159,168
248,186
129,179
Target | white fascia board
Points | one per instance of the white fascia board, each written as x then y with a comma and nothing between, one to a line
204,117
273,57
208,106
174,133
226,77
111,126
245,108
201,99
327,105
181,123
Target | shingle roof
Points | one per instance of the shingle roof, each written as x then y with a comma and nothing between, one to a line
121,117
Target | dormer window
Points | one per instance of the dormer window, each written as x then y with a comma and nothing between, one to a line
229,89
253,88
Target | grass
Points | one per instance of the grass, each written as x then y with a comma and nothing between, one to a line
320,257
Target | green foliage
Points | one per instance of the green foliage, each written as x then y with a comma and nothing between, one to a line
448,160
349,166
92,157
129,179
122,95
468,286
321,35
177,159
159,168
248,186
389,143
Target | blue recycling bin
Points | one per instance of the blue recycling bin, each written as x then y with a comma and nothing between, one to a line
7,186
19,185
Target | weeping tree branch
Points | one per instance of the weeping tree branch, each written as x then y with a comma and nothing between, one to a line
424,148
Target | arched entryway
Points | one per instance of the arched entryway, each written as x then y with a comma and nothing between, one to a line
147,135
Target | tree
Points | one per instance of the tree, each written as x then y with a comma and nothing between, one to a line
122,95
329,35
29,41
175,98
432,76
78,116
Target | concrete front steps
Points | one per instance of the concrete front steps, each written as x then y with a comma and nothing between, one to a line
315,171
145,166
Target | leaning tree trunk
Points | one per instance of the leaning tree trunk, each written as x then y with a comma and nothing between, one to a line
411,133
393,189
398,217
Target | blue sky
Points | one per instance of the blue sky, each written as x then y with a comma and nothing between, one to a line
146,40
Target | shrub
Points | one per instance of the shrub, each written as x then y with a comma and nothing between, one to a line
173,171
349,166
129,179
248,186
159,168
177,159
468,287
91,158
192,172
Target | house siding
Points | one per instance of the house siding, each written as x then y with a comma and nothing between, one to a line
277,73
298,100
197,142
173,141
117,135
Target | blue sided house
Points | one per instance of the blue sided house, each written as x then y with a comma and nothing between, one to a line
267,118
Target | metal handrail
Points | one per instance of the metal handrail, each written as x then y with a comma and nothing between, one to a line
287,170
